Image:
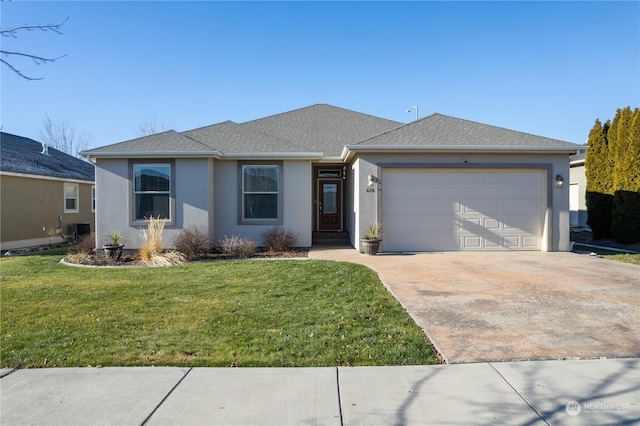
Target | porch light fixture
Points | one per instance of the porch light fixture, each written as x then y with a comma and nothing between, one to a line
372,180
559,181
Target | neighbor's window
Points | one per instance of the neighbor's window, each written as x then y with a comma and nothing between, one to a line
152,191
71,198
260,192
93,198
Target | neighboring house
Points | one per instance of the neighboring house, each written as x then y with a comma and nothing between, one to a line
45,194
439,183
578,190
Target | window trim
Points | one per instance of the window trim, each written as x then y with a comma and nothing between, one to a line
132,193
77,197
249,221
93,198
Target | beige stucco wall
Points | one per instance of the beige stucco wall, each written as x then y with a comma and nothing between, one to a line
30,208
367,204
201,185
296,190
193,200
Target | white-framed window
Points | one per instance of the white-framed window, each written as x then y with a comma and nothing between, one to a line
261,198
71,198
93,198
152,183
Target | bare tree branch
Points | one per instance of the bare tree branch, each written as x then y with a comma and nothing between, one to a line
151,126
13,33
62,135
48,27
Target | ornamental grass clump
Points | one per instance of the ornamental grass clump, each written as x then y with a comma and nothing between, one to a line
238,247
150,251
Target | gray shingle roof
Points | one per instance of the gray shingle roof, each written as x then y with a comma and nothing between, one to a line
169,141
321,128
315,129
440,130
23,155
578,157
327,130
229,137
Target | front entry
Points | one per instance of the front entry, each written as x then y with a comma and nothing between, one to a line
329,204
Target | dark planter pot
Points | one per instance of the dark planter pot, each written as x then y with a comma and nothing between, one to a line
113,251
370,247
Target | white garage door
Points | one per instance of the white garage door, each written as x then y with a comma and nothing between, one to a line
450,209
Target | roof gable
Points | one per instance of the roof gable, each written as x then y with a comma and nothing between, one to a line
23,155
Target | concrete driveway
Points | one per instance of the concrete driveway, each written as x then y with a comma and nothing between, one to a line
508,306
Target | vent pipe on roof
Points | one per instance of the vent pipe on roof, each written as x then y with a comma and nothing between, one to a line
45,150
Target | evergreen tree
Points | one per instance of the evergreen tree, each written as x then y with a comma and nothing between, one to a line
625,226
599,197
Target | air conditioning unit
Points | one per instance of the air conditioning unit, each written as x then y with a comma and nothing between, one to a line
81,229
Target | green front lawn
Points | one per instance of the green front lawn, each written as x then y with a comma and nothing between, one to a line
624,257
613,255
244,313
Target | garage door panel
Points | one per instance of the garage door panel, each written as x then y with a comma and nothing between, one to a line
530,206
511,242
492,192
492,224
492,207
530,242
451,192
511,192
509,206
445,209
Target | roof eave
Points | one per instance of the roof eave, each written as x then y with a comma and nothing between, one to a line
44,177
412,149
150,154
273,156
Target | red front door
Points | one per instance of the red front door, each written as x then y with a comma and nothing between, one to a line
330,205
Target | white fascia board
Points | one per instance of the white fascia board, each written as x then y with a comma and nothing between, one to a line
273,156
331,159
152,154
412,149
41,177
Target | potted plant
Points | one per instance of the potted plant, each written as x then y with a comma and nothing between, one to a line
113,249
370,241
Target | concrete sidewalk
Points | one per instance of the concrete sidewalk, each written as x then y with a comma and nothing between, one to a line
532,393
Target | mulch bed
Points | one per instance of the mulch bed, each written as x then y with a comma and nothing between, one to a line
99,259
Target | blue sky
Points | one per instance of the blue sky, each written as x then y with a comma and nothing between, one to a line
547,68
